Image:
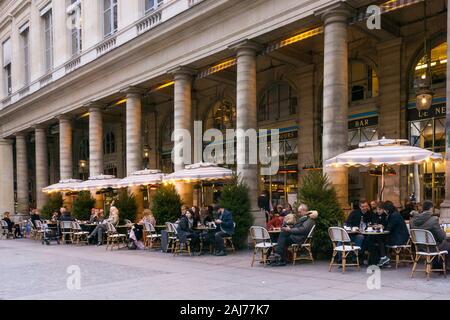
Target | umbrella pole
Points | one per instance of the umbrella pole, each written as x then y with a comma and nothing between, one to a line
383,170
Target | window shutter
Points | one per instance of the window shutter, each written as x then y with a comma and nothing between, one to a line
6,52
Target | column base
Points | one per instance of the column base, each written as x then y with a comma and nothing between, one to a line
445,212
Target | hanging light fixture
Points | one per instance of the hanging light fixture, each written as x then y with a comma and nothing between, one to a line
423,84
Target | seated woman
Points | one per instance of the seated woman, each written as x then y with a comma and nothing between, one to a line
148,217
206,215
185,231
102,228
12,225
275,221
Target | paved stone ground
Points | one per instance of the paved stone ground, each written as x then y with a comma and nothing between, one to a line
32,271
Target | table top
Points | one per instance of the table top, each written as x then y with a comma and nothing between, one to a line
374,233
203,228
160,226
275,231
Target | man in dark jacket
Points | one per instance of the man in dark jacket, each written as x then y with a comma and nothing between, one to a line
185,231
427,221
398,232
297,234
35,216
65,215
225,228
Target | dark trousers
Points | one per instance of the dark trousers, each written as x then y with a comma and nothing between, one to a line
284,241
219,243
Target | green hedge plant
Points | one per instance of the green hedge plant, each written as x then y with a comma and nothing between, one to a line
54,203
235,198
82,206
126,203
318,194
166,204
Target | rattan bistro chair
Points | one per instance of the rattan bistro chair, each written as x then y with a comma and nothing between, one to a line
177,246
79,236
342,244
150,235
305,246
403,253
228,241
5,233
37,230
66,229
113,238
426,247
262,242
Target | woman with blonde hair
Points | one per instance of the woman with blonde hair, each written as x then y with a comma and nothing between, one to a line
148,217
103,227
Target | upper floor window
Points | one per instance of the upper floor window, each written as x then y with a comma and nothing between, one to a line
24,35
48,37
74,12
6,48
109,143
438,65
278,102
152,4
222,116
363,81
109,17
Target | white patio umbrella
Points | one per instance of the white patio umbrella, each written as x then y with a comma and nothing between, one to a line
142,178
200,172
384,152
97,183
62,186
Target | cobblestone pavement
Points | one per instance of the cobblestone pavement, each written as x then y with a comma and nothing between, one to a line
32,271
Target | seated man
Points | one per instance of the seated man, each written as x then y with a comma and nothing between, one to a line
361,212
427,221
65,215
102,228
12,225
398,232
185,231
225,228
296,234
35,216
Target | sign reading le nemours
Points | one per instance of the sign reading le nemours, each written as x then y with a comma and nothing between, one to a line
435,111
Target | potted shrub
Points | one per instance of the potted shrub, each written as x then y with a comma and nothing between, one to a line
54,203
82,206
167,203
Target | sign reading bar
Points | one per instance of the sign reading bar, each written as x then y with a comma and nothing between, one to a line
362,123
435,111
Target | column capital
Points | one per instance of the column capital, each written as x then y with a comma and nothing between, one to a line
64,117
337,12
6,142
19,135
246,47
95,106
39,127
182,72
133,91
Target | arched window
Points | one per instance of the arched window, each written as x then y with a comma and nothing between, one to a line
277,102
363,81
222,115
109,143
438,65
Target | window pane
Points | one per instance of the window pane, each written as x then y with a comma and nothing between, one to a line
107,22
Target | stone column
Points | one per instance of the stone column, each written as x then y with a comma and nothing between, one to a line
96,146
390,118
305,146
134,139
6,176
41,166
22,174
445,206
183,121
65,148
246,119
95,140
335,96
